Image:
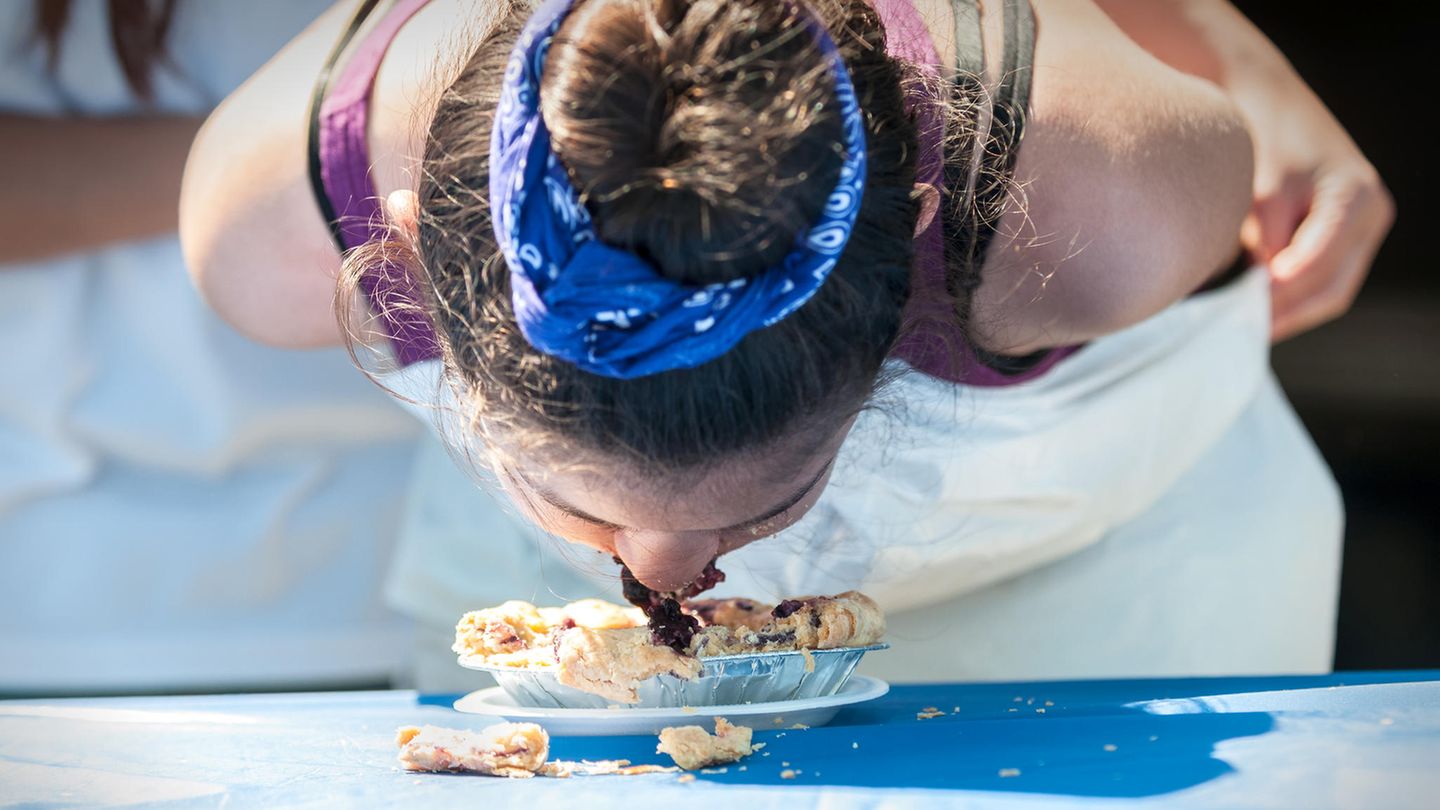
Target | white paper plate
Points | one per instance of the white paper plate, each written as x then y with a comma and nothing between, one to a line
624,721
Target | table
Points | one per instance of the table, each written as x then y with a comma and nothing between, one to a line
1365,740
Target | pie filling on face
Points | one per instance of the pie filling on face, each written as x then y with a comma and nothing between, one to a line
607,650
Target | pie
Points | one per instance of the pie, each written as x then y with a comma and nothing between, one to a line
608,650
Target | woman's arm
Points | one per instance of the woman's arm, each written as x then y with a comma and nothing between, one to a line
255,243
254,238
74,184
1320,209
1132,183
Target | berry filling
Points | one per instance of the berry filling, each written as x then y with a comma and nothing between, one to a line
669,626
787,608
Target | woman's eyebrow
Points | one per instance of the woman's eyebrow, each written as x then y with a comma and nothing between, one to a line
789,503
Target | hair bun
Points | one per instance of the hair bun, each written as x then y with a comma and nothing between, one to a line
701,134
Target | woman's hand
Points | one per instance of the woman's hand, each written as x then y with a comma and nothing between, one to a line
1320,209
1320,213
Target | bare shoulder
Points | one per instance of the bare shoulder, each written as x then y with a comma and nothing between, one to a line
254,239
1131,184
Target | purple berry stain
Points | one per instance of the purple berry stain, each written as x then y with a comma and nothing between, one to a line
669,626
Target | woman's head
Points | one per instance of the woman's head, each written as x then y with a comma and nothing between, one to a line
701,136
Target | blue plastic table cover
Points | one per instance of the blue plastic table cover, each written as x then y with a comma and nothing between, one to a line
1364,740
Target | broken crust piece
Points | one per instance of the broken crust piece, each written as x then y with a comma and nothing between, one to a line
614,662
516,750
692,747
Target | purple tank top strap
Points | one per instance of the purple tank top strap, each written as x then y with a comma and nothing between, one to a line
345,173
932,341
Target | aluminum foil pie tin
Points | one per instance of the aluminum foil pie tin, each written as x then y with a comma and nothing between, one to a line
724,680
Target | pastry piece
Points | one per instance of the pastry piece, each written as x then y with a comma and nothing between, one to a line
505,635
692,747
507,749
850,619
596,614
518,634
612,663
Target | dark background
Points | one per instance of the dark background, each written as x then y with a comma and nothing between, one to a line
1368,385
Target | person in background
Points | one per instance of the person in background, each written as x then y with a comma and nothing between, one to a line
180,508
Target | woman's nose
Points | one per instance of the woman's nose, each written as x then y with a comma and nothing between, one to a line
666,561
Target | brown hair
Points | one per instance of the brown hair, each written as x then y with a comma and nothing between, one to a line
701,134
138,30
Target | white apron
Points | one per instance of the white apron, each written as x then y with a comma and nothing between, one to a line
1150,506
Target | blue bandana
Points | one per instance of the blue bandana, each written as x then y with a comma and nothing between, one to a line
607,310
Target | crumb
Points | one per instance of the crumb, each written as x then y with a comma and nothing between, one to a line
637,770
598,765
1153,738
1111,747
602,767
758,746
809,660
1386,721
799,727
686,777
1030,702
688,709
766,754
1012,709
1049,703
1039,711
779,721
929,712
1008,772
854,745
779,734
744,767
784,764
1019,699
955,710
714,770
788,774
